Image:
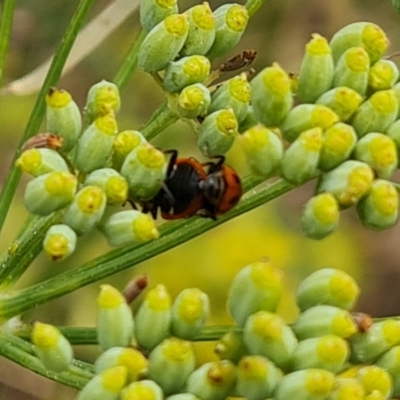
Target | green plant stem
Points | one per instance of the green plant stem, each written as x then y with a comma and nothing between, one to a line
6,19
253,6
37,114
21,352
24,249
129,64
172,234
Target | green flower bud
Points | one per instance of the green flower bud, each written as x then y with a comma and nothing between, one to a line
193,101
106,386
63,117
235,94
327,286
50,192
143,390
131,226
171,363
300,161
217,133
59,242
111,182
376,114
163,43
189,313
86,210
263,150
339,142
326,352
231,347
144,168
183,396
383,75
324,320
308,384
95,145
374,379
123,144
185,72
102,99
348,182
347,389
268,335
153,319
212,381
316,70
271,95
135,362
52,348
390,362
366,347
152,12
307,116
394,133
256,287
257,378
342,100
114,319
379,152
365,34
379,209
231,21
41,161
320,216
201,34
352,70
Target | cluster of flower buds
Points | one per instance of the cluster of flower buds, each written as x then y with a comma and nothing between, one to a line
85,171
327,352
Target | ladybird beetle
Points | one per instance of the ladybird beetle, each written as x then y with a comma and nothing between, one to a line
190,189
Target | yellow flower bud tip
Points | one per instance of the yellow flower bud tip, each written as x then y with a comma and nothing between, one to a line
116,190
237,18
61,184
323,117
114,379
45,336
109,297
57,246
264,276
191,98
391,332
254,138
227,122
276,81
158,299
135,362
359,181
326,209
318,46
343,325
58,98
192,305
197,67
166,3
374,40
332,349
144,228
203,17
239,88
383,150
221,373
90,199
150,157
357,59
176,24
177,350
374,378
384,101
384,198
343,287
253,367
267,325
312,139
383,74
319,382
107,124
29,160
107,99
126,141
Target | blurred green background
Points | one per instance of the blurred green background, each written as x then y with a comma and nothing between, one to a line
278,32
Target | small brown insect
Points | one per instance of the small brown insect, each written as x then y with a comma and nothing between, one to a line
43,140
363,321
244,59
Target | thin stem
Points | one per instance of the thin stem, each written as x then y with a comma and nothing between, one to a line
129,64
37,114
172,234
21,352
6,19
253,6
